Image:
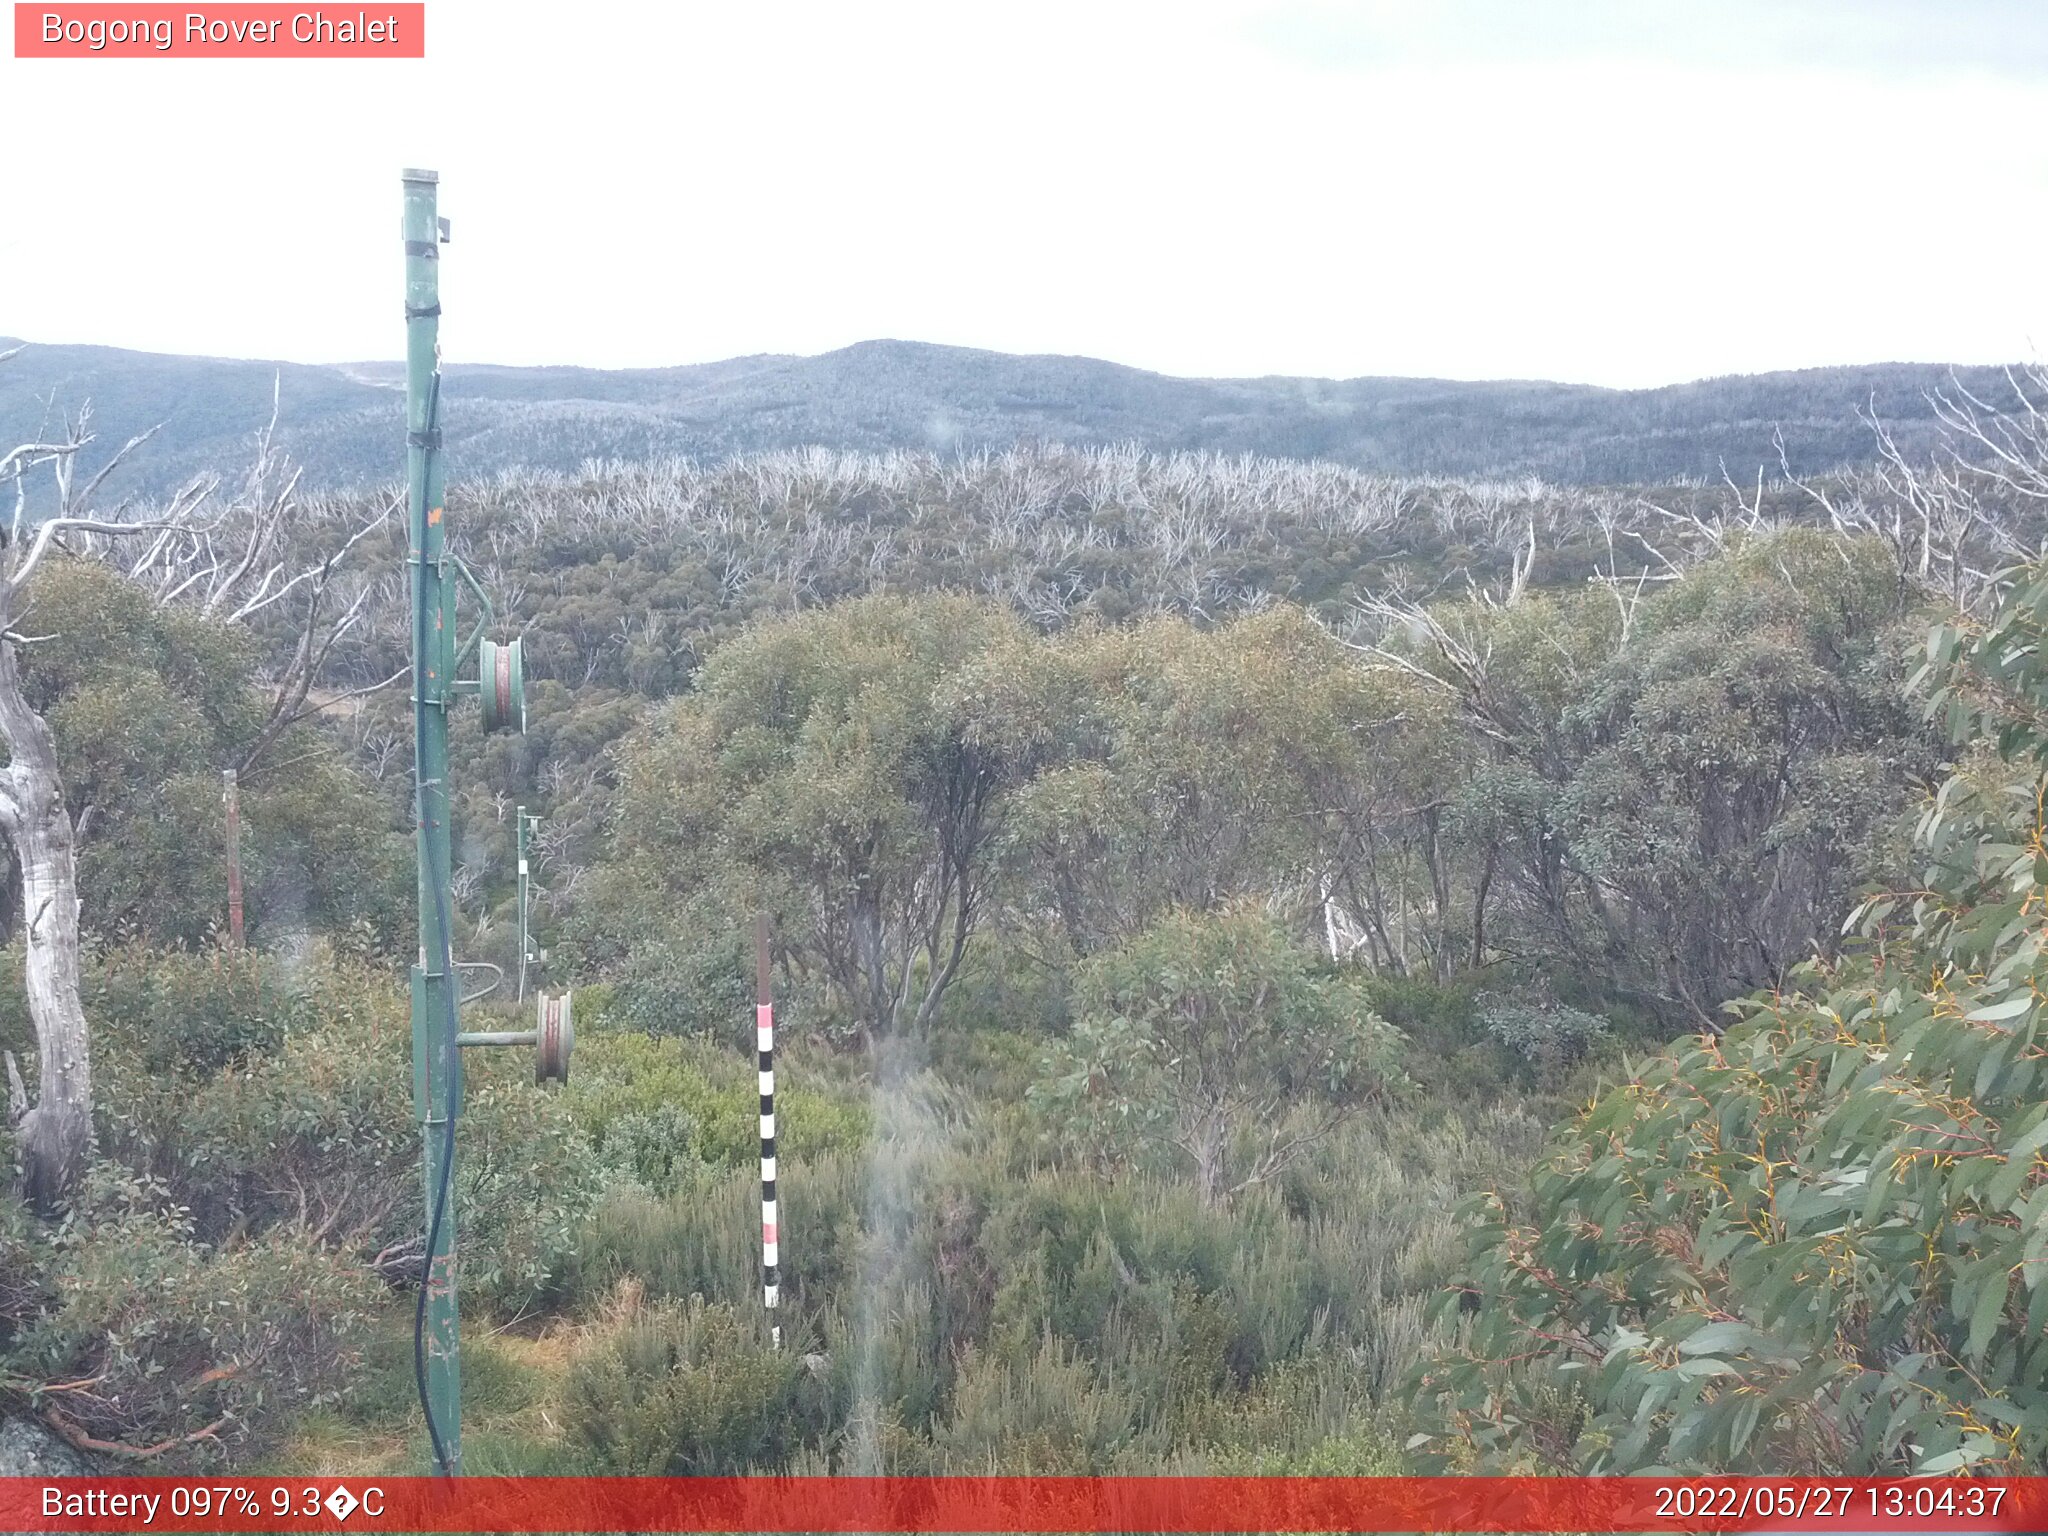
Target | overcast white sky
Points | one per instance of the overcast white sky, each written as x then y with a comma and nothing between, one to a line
1611,191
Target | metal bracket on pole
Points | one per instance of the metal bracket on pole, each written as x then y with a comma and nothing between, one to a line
483,622
497,980
553,1038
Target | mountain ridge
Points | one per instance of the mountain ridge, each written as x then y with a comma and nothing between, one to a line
341,420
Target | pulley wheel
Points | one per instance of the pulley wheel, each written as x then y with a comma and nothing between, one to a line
554,1037
501,685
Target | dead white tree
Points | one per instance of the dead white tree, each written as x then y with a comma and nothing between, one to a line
54,1129
243,561
233,557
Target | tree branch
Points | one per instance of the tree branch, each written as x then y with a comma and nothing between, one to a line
57,525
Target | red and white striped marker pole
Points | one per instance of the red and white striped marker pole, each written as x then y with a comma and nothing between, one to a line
764,1040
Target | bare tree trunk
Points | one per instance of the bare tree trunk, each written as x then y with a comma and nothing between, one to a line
56,1129
1479,908
54,1132
1440,891
1205,1144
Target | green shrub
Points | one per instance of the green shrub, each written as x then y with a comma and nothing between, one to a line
149,1336
147,703
311,1127
1000,988
656,1147
960,1277
192,1013
1811,1243
649,1106
997,1066
526,1179
670,1389
1431,1013
685,985
704,1237
1212,1043
1045,1415
24,1283
1546,1034
1312,1416
1367,1451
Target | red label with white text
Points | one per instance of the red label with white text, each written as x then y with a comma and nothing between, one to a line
219,32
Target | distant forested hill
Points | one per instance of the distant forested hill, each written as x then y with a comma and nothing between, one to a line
342,421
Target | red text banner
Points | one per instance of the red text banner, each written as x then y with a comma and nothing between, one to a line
229,31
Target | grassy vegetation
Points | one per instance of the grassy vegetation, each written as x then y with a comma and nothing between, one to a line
961,1291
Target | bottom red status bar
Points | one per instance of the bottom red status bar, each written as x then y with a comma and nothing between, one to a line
1050,1504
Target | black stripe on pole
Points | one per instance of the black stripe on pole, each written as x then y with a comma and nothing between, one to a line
771,1220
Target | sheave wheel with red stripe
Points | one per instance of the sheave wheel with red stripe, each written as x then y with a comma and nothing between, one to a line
553,1040
501,685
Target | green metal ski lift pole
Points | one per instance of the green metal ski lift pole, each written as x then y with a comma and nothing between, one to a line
436,576
436,1064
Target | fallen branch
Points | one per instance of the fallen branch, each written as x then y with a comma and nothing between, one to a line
78,1439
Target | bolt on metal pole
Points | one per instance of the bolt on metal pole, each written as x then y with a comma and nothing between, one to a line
437,1064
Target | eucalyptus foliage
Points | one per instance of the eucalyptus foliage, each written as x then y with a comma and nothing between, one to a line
1820,1242
148,704
1217,1040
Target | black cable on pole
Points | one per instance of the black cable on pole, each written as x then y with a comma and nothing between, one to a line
447,959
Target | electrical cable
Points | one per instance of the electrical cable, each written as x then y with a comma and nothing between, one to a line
447,959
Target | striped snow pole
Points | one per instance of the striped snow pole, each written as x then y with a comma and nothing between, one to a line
764,1033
